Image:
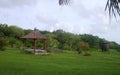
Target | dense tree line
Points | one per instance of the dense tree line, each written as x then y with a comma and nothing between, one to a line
57,40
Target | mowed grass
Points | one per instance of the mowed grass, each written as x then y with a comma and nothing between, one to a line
12,62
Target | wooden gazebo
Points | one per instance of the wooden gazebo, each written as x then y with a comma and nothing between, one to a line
35,35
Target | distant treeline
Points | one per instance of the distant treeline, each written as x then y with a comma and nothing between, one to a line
59,39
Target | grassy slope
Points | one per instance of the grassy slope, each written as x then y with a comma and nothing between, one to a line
12,62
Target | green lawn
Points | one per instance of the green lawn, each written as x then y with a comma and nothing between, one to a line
12,62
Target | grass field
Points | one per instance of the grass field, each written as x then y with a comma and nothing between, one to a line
12,62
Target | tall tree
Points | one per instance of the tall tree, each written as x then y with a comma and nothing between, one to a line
4,30
15,31
52,43
93,41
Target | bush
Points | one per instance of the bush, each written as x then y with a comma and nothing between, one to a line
14,43
52,44
3,43
87,54
83,47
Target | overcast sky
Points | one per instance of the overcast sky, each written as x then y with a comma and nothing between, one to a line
81,16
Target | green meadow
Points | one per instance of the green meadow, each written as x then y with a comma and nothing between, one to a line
12,62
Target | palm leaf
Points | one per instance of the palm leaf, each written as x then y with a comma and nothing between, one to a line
64,2
113,7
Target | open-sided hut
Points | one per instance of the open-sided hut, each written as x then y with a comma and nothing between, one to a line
35,35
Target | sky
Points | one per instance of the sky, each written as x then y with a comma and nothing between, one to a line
79,17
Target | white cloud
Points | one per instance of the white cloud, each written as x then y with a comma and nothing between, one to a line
82,16
16,3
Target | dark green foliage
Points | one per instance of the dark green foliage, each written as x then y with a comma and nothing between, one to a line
114,45
68,41
10,35
40,44
93,41
4,30
1,34
27,31
87,54
28,43
16,32
102,40
118,48
59,39
45,32
3,43
52,43
14,43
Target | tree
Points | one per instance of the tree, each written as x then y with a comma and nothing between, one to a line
61,37
67,40
3,43
114,45
52,43
14,43
111,5
93,41
85,48
15,31
4,30
26,31
77,45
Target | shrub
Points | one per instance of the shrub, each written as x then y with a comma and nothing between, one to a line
3,43
84,46
52,43
87,54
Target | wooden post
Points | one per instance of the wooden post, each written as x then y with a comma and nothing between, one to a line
44,44
34,45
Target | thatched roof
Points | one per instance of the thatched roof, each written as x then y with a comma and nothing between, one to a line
35,34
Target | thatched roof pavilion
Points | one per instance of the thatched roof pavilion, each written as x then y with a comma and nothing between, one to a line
35,34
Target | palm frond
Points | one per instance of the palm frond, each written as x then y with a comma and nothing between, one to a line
64,2
113,7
